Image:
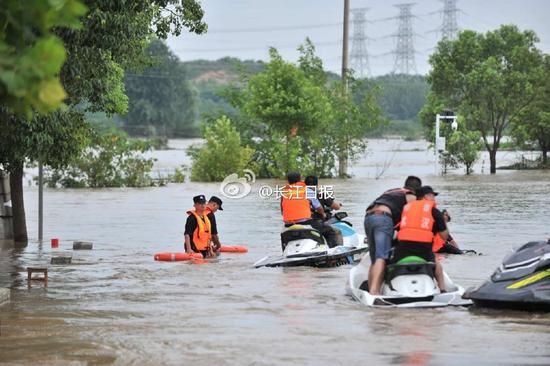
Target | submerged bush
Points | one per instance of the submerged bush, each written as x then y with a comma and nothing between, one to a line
222,154
111,160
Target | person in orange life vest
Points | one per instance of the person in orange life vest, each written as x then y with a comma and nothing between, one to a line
214,204
420,221
381,217
296,204
198,235
445,246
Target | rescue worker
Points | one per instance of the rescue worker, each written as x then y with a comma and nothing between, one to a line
295,208
445,246
198,229
381,217
214,204
420,222
328,204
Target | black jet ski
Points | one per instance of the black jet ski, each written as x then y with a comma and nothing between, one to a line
521,282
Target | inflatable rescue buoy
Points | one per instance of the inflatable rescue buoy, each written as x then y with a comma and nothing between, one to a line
176,257
233,249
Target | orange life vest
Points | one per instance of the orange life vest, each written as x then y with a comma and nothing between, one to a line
202,234
438,243
417,222
295,203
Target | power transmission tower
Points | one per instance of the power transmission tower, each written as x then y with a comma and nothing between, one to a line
359,57
404,51
449,28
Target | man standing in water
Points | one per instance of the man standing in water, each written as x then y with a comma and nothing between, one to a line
214,204
381,217
198,229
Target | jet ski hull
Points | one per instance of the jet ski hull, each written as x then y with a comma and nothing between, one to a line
337,256
534,296
422,291
521,282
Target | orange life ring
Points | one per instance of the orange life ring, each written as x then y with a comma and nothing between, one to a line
233,249
176,257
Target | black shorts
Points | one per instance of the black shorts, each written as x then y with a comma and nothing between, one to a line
407,249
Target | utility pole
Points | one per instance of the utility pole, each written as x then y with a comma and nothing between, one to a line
345,45
449,28
404,51
359,58
343,154
40,200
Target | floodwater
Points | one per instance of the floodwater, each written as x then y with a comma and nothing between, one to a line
116,305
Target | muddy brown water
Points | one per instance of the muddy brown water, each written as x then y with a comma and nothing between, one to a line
116,305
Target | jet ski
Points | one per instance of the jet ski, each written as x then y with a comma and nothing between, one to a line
302,245
409,283
521,282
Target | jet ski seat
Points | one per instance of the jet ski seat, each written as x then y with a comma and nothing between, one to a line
297,232
411,265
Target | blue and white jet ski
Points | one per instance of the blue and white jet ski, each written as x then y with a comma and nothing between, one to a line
304,246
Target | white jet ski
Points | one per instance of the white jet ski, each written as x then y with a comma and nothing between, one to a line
304,246
409,283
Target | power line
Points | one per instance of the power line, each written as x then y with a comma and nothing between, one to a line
404,51
449,28
359,57
255,48
274,29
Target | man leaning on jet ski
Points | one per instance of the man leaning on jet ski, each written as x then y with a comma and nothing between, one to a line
296,205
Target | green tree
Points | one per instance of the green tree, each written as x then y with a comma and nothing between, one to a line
112,39
287,102
222,154
489,78
31,56
464,146
533,124
161,98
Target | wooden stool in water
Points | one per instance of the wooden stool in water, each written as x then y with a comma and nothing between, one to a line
43,270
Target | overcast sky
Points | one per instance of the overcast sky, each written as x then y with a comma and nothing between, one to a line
247,28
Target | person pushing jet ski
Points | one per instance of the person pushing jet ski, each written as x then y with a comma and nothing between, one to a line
295,208
381,217
420,222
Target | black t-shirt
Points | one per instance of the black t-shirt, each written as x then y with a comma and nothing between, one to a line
395,199
213,226
326,204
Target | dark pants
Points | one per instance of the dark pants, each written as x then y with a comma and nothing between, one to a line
328,232
405,249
